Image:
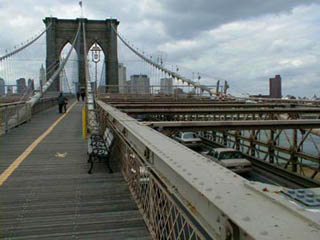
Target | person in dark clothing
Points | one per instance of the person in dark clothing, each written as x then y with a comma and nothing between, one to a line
78,96
62,102
83,93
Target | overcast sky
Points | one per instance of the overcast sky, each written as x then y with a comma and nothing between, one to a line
243,41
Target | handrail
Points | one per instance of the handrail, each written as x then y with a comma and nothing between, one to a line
222,202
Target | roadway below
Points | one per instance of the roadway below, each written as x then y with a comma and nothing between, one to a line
259,174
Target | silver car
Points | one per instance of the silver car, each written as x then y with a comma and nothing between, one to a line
231,159
189,139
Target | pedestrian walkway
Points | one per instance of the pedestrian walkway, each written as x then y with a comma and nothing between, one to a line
51,196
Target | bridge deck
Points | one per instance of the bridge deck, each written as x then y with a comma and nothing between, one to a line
51,196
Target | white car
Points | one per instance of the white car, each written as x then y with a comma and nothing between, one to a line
189,139
231,159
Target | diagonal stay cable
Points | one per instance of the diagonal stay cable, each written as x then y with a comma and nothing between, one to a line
46,86
24,46
158,66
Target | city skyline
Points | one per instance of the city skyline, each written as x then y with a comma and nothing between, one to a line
244,46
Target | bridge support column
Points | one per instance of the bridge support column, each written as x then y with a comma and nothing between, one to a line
63,31
52,60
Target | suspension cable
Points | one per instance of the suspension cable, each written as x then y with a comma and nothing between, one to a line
90,108
46,86
160,67
24,46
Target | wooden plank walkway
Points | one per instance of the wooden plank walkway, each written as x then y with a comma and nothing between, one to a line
52,197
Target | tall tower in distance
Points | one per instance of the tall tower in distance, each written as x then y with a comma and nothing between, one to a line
21,86
2,87
122,71
42,77
275,87
166,86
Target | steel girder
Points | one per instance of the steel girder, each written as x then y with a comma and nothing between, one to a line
215,196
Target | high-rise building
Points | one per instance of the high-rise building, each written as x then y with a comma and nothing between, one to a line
166,86
2,87
42,76
275,87
10,90
21,86
30,85
122,72
76,87
139,84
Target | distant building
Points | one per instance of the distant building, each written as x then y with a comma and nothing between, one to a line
2,87
42,76
178,91
93,86
275,87
10,90
122,72
139,84
21,86
76,87
166,86
30,86
260,96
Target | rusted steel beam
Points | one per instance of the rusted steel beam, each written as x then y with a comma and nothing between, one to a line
194,105
267,145
207,190
234,125
197,110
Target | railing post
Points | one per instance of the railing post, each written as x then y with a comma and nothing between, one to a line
84,124
271,146
252,143
294,149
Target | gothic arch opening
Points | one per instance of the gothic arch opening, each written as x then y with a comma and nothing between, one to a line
62,30
97,65
69,77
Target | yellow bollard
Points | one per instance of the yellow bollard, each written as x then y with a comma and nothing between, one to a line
84,124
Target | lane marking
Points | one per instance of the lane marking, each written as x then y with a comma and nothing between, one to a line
4,176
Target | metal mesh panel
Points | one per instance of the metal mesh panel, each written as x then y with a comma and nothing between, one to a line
164,218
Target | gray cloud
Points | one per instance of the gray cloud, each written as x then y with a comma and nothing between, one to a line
187,18
245,42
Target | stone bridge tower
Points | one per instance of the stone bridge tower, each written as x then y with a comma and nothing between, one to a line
63,31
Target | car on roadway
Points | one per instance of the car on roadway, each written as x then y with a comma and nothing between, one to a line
189,139
231,159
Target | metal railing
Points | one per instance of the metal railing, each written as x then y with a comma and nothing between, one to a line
164,218
183,195
12,115
15,114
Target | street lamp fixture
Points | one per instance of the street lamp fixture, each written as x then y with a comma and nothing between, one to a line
95,50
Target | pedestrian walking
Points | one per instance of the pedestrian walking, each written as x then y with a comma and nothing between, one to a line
62,102
82,93
78,96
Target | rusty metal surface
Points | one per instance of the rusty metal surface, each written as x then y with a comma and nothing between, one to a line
191,110
233,125
194,104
